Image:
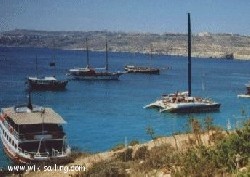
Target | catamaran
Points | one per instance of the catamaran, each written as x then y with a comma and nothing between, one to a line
183,102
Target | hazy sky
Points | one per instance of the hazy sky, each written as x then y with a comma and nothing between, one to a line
157,16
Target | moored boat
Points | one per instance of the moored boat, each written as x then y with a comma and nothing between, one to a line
248,88
46,83
185,103
141,69
247,95
31,134
89,73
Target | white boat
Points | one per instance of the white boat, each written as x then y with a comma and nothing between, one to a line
32,134
243,96
247,95
184,102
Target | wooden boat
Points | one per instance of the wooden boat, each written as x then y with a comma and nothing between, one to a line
89,73
46,83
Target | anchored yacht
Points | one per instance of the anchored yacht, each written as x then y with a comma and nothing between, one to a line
184,102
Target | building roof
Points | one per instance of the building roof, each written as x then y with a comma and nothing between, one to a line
24,116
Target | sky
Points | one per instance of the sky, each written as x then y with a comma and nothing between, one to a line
154,16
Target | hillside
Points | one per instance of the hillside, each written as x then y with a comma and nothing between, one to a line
204,45
206,150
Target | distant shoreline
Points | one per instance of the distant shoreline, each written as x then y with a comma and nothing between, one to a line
194,55
204,45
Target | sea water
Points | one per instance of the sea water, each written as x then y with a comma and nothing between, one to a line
101,114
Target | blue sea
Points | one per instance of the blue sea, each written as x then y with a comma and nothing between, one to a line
100,114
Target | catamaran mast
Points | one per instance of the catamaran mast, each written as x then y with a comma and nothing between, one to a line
189,56
107,66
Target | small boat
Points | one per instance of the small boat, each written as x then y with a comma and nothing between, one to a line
33,134
46,83
89,73
248,88
247,95
141,69
183,102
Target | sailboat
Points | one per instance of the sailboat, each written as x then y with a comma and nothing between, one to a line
142,69
89,73
247,95
46,83
183,102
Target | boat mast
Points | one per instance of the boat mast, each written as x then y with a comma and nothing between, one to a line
29,103
151,54
151,51
36,67
189,55
107,66
87,51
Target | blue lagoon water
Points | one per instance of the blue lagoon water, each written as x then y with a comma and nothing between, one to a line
100,114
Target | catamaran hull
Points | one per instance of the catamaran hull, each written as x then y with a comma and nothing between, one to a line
193,109
157,105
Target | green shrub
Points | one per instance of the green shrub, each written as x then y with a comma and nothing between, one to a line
133,142
118,147
125,156
142,153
